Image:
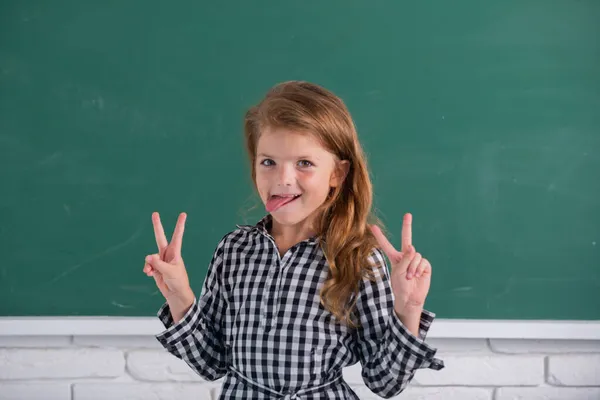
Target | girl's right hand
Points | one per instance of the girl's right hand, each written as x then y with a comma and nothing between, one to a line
167,267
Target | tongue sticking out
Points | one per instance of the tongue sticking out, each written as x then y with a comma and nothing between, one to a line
276,202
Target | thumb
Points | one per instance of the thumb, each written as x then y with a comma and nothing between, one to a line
158,264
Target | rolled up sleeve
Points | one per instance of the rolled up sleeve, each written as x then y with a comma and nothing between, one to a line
198,338
389,353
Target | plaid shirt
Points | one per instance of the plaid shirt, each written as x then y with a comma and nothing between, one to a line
259,322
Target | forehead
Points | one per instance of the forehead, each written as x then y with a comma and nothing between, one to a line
288,143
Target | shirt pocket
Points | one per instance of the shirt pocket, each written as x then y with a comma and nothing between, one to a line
328,354
248,301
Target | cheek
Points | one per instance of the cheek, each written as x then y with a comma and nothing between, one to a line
316,184
262,183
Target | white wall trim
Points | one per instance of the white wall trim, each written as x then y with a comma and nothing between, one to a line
441,328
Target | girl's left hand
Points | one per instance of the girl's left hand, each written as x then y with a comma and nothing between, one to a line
411,272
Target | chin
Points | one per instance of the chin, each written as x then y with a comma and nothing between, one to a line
291,217
288,218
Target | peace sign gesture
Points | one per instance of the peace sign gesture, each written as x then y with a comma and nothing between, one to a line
167,266
411,273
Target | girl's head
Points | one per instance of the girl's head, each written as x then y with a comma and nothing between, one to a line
307,165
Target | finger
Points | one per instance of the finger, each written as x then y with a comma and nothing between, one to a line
406,232
423,268
407,258
410,273
148,269
160,283
157,264
384,243
159,233
177,238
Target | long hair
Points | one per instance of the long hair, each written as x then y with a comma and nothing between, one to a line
342,221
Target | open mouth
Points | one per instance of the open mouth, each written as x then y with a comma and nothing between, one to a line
275,202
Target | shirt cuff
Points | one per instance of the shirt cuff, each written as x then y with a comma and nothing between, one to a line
176,332
427,318
416,345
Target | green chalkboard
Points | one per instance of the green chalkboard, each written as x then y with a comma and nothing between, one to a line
480,118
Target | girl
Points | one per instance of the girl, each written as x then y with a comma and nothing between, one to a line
288,302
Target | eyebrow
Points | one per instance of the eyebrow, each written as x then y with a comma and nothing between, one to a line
300,157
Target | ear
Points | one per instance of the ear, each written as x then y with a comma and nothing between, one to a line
340,172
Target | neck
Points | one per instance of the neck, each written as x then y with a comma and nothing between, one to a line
289,235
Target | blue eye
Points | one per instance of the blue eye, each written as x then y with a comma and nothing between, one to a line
266,162
305,163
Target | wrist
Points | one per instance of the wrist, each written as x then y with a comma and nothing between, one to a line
410,318
180,304
408,312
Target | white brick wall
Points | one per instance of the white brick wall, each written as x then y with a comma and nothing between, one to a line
136,367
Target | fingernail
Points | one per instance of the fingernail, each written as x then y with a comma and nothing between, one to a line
148,258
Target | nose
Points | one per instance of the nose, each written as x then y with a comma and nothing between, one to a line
287,175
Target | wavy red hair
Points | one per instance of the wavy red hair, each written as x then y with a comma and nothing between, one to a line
342,221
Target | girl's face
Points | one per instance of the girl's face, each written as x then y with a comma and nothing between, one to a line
293,174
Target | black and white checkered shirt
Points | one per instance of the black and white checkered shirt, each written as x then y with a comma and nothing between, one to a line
259,322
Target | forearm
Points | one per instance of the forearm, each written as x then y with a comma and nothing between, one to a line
390,361
180,305
195,340
410,318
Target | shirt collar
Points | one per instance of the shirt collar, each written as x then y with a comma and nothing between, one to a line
264,225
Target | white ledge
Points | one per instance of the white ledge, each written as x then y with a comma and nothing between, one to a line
441,328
